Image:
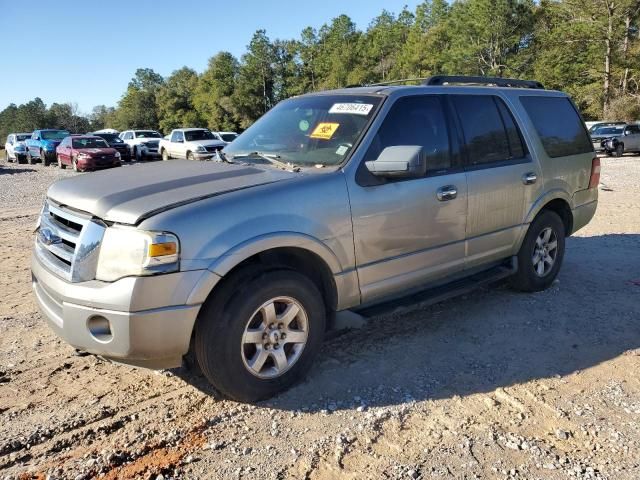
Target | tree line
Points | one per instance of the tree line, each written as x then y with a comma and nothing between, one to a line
588,48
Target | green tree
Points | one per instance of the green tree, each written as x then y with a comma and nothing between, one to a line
138,107
213,96
175,100
254,94
340,54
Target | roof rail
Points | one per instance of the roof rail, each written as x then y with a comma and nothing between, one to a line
394,82
497,81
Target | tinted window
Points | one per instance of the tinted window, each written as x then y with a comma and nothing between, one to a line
633,129
147,134
516,145
416,120
194,135
89,142
228,137
484,132
558,125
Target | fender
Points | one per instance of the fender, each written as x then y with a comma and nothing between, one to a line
556,193
234,256
226,262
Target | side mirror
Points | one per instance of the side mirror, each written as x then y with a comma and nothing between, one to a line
400,161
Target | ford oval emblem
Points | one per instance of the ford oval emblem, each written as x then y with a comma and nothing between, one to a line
46,236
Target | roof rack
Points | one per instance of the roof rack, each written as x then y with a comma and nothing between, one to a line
497,81
394,82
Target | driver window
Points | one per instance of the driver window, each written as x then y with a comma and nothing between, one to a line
416,120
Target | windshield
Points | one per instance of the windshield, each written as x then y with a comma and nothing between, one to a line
607,130
229,137
147,134
22,138
89,143
110,137
54,134
308,131
191,135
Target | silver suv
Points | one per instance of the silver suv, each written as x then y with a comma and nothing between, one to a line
331,201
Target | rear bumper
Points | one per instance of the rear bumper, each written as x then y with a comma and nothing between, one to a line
141,321
583,214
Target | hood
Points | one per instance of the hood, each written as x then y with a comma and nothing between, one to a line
208,143
598,138
131,194
96,152
55,143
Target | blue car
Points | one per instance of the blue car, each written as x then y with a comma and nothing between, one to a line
42,145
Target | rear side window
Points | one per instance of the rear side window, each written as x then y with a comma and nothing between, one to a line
416,120
558,125
490,132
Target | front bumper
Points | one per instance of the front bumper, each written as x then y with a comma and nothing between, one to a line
148,320
204,155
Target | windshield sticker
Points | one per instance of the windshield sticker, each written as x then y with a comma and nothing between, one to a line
342,149
304,125
325,131
354,108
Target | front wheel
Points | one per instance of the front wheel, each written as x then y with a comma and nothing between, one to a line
61,165
541,253
44,158
29,158
260,333
165,155
190,156
619,150
74,163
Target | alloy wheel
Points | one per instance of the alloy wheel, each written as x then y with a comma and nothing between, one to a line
274,337
545,252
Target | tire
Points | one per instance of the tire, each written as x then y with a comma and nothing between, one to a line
535,272
30,160
190,156
619,150
61,165
18,160
74,163
136,154
165,155
222,349
43,158
6,157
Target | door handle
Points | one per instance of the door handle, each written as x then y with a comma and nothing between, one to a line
448,192
529,178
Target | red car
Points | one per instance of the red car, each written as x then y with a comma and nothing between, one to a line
86,152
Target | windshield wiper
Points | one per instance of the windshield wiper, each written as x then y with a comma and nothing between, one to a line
271,158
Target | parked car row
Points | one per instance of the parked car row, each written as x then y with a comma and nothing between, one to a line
107,148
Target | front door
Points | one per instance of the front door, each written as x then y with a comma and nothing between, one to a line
631,138
410,232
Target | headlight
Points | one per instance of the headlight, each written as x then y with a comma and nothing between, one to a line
200,149
117,154
127,251
83,156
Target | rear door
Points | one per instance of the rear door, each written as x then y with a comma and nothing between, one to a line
408,232
501,177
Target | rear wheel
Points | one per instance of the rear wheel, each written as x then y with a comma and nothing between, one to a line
541,253
260,333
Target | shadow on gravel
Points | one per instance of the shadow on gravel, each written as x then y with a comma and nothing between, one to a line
489,339
13,171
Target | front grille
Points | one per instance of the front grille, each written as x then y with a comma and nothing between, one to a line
152,144
68,242
213,148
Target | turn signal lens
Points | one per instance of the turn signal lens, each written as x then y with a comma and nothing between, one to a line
162,249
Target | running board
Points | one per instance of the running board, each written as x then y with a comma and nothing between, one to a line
442,292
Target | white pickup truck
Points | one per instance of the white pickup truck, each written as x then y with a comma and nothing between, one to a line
143,144
190,143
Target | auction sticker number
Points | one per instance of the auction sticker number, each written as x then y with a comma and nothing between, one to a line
355,108
325,131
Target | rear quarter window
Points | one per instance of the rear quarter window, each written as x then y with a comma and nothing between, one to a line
558,125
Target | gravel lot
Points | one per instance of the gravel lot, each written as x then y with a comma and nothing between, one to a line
495,384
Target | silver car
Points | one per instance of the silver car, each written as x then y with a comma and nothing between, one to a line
345,199
615,138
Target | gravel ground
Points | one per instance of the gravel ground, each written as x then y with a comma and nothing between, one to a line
495,384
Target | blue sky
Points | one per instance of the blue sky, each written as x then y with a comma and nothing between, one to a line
62,50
